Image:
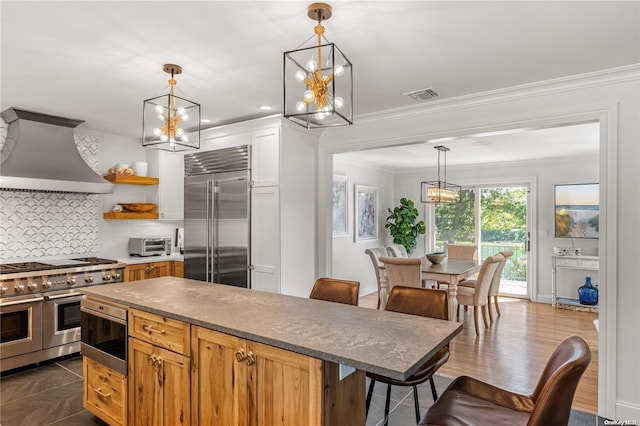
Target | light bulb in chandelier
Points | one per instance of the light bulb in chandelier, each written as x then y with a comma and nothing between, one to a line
300,76
300,106
312,65
309,96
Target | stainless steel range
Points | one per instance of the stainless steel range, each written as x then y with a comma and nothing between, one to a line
40,306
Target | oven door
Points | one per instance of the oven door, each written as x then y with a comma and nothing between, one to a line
61,318
20,325
104,336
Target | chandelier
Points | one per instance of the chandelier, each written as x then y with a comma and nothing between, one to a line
165,118
318,79
439,191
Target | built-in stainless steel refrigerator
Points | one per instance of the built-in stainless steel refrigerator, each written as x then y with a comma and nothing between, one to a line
216,216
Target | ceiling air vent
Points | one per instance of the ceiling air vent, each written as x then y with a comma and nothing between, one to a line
422,94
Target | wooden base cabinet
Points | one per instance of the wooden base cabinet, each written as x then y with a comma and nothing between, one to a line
104,392
244,383
143,271
159,382
159,370
178,269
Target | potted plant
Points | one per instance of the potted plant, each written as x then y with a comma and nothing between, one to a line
403,224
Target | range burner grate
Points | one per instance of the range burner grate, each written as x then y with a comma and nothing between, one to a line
23,267
95,260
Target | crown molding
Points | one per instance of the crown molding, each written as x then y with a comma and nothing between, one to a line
557,85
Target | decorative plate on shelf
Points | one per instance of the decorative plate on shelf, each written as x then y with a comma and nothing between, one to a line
138,207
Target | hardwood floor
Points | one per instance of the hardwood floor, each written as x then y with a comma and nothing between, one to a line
512,352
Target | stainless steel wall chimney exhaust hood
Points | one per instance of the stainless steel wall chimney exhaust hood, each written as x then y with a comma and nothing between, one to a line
40,154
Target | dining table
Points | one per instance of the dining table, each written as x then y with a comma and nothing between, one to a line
450,271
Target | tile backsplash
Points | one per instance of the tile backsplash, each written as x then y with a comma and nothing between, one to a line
39,224
35,224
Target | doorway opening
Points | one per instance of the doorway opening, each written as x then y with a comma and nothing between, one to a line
495,218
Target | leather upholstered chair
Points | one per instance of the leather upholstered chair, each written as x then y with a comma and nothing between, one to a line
424,302
374,255
478,295
469,401
494,289
404,271
332,290
397,250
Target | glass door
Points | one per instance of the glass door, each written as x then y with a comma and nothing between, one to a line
503,226
495,218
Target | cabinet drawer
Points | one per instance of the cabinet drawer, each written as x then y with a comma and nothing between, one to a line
104,392
590,263
160,331
568,262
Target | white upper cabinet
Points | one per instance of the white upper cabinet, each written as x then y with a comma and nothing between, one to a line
265,158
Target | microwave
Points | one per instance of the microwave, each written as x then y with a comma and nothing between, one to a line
149,246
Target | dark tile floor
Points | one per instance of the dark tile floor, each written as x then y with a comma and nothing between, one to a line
51,394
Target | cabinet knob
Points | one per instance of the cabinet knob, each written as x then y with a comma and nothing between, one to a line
154,360
250,359
240,355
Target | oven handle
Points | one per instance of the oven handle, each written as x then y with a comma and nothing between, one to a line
61,296
18,302
103,316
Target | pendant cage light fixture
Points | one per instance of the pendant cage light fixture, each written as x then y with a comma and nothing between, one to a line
165,119
318,79
439,191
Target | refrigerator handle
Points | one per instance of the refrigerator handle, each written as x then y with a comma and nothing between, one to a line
208,244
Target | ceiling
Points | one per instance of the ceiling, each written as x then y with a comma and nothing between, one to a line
97,61
576,141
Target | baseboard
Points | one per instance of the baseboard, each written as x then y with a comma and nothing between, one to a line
544,298
627,411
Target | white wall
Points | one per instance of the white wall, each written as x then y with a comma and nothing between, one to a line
298,210
613,97
349,259
545,174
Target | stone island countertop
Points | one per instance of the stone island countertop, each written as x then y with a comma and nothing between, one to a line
387,343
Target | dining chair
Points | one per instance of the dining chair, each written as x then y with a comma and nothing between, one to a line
334,290
403,271
423,302
468,401
462,251
374,255
397,250
494,289
478,295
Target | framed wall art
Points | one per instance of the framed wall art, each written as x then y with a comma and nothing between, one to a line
339,197
577,210
366,213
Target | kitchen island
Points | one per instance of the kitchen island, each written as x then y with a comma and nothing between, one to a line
235,356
